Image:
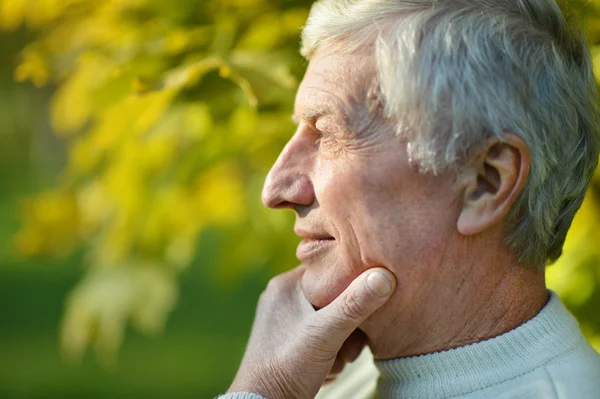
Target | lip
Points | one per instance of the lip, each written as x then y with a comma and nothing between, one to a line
310,247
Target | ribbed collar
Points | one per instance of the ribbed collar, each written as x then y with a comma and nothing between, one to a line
552,332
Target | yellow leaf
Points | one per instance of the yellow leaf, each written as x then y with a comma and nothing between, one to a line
12,13
273,68
293,20
180,251
45,11
150,108
29,242
84,156
51,224
225,71
243,123
95,207
188,75
157,153
197,120
596,59
594,340
98,308
240,3
33,67
570,275
176,41
220,195
584,222
264,34
71,107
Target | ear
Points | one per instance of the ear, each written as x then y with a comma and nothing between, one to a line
492,183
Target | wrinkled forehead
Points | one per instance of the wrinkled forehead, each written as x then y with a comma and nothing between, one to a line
336,83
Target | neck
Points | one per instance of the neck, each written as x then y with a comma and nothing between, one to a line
486,302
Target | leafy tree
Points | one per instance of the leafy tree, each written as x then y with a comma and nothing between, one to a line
172,113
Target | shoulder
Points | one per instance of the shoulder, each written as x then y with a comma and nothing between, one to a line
576,372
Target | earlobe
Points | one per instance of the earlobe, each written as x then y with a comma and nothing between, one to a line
492,183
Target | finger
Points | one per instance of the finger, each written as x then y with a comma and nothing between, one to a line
349,352
329,379
353,346
367,293
337,367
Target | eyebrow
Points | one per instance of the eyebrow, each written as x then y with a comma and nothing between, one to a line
311,115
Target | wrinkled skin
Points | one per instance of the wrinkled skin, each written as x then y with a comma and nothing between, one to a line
362,204
357,197
292,346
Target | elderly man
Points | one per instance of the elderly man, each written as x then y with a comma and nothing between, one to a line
442,150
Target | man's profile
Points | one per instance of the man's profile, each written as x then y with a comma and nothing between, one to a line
441,152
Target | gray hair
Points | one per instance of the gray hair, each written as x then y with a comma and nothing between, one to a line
455,73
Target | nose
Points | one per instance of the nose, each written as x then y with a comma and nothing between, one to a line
288,184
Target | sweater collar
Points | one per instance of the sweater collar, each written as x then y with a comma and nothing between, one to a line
552,332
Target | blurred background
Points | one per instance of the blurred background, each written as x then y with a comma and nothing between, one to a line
135,136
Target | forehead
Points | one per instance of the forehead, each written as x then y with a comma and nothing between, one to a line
335,83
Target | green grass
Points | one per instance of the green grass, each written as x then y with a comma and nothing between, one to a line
195,357
175,365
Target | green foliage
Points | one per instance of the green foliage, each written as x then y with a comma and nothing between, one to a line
173,111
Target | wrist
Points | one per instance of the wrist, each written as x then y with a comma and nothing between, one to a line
270,384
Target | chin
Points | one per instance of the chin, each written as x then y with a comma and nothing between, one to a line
321,290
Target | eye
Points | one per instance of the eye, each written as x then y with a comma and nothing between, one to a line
318,142
327,144
323,141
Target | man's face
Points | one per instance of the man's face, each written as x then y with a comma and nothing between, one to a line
359,203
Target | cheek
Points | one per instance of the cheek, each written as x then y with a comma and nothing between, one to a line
389,214
384,214
407,232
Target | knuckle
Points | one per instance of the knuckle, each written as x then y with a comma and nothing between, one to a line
275,285
279,291
282,284
272,284
263,298
352,307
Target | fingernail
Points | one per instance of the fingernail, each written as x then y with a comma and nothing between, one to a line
379,284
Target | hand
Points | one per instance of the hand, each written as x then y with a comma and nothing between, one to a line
349,352
293,347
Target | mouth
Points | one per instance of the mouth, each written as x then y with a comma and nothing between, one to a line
310,248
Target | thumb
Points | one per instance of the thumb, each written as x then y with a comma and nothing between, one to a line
367,293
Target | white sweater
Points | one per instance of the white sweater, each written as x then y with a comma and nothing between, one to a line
545,358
